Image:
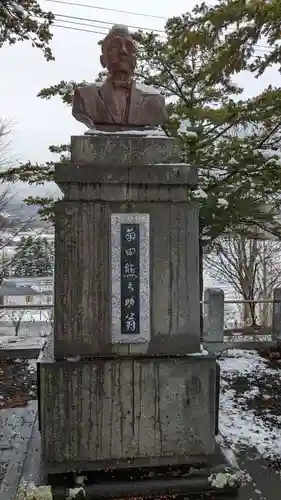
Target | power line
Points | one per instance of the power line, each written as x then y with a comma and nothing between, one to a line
265,48
257,47
268,49
105,8
104,22
86,25
79,29
126,12
80,24
262,48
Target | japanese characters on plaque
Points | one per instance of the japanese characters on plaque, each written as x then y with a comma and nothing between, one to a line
130,278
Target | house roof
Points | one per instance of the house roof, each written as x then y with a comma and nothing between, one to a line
11,289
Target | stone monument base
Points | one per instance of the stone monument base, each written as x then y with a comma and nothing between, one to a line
129,411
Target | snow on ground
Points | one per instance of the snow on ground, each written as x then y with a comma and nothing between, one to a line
21,342
26,316
26,329
32,365
250,402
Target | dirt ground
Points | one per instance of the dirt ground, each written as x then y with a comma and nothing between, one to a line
17,382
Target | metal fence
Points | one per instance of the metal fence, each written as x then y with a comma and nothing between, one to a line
215,336
20,320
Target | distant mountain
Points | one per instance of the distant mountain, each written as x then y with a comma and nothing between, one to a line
22,210
28,213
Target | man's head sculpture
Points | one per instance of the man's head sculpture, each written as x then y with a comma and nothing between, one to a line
119,53
118,103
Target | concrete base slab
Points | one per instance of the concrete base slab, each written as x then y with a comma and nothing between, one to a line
16,427
20,347
126,412
151,482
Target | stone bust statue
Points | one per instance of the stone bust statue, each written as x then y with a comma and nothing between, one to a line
118,102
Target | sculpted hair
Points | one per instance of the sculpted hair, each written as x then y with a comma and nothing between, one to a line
117,29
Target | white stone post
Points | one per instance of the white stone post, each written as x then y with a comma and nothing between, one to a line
213,317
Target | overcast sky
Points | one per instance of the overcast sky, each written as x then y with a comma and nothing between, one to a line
38,123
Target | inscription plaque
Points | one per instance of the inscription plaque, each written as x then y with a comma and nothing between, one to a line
130,278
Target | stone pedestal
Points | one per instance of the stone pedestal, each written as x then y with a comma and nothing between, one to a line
126,412
145,395
118,176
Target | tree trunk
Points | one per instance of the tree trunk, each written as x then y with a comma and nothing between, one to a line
253,313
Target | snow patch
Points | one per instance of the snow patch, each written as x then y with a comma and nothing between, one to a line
232,161
185,130
199,193
32,365
202,352
172,164
18,9
28,491
223,479
244,427
221,202
21,342
269,154
74,492
80,480
146,133
173,116
147,89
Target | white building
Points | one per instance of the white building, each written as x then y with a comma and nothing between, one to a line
26,291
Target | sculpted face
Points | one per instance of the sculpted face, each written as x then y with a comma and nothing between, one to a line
119,55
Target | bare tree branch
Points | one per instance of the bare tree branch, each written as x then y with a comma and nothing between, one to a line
251,268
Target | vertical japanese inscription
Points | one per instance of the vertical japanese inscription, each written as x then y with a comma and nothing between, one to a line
130,283
130,278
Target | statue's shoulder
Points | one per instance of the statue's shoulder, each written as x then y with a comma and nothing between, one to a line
153,97
155,103
89,88
147,90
